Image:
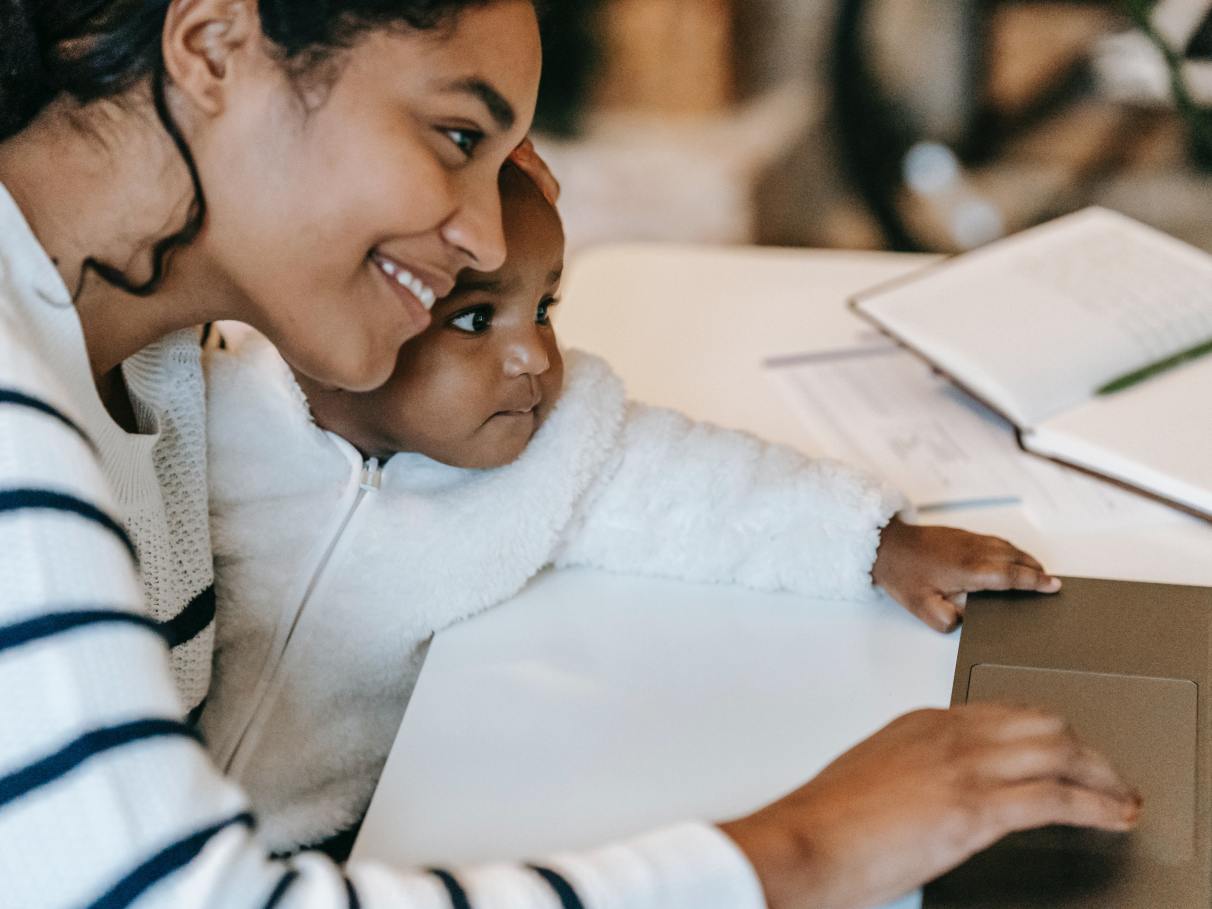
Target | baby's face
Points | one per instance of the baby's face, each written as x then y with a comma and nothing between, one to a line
473,388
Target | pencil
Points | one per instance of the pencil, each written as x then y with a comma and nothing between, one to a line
1148,372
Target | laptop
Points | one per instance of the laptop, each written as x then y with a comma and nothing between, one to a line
1125,664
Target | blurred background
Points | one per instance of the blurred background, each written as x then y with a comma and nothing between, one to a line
932,125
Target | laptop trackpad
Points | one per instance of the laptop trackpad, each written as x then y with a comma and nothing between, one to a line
1147,728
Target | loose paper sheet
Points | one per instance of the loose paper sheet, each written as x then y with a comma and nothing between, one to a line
884,409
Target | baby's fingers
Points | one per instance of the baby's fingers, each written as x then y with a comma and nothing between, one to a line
1012,576
998,550
938,612
1025,558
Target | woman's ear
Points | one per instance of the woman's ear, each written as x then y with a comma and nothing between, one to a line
203,42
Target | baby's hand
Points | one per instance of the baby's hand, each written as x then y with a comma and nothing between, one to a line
931,570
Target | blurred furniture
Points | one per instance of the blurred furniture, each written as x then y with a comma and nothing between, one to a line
1011,91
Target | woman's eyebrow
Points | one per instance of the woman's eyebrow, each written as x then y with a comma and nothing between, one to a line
500,109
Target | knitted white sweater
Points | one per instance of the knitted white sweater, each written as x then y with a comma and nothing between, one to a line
333,574
107,798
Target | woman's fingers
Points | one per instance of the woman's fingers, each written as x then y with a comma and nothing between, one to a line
922,795
1058,756
1036,772
1009,723
1039,803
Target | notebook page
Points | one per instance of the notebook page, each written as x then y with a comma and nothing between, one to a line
1156,436
1034,324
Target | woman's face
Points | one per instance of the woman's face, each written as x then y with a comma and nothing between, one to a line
339,218
472,390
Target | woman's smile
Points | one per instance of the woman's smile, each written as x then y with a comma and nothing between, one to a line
417,293
426,288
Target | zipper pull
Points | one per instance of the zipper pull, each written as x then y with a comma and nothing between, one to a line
372,475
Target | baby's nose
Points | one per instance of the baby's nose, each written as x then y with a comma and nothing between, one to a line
527,356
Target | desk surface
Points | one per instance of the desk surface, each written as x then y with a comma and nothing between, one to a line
560,719
689,328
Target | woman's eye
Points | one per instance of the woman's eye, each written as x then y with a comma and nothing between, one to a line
465,140
543,315
474,321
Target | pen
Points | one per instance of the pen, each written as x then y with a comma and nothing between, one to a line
1148,372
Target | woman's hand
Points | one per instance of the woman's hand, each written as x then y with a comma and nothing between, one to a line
525,157
922,795
931,570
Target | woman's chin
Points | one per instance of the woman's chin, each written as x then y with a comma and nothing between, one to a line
358,372
359,381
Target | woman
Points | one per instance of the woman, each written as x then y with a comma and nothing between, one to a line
165,164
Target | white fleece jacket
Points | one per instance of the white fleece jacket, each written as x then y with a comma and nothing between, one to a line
332,574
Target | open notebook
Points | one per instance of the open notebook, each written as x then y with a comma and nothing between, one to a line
1037,324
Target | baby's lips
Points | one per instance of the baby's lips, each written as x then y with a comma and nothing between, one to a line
521,405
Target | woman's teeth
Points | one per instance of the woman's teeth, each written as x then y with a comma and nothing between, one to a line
409,281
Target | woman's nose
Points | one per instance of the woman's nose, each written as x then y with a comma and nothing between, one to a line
526,355
475,228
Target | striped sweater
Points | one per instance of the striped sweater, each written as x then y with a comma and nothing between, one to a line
107,797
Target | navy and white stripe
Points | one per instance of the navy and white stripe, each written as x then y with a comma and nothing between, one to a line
195,713
47,770
557,882
182,629
17,501
11,398
63,621
454,890
159,866
284,884
191,621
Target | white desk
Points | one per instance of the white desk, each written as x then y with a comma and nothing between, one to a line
595,706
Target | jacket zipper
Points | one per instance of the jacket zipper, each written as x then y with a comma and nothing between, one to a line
372,478
369,481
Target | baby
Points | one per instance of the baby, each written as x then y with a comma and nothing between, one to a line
348,528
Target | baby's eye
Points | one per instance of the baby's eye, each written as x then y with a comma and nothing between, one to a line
465,140
543,315
473,321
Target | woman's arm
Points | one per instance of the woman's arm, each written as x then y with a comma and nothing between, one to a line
692,501
107,799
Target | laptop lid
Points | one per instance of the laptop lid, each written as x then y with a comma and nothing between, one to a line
1124,663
